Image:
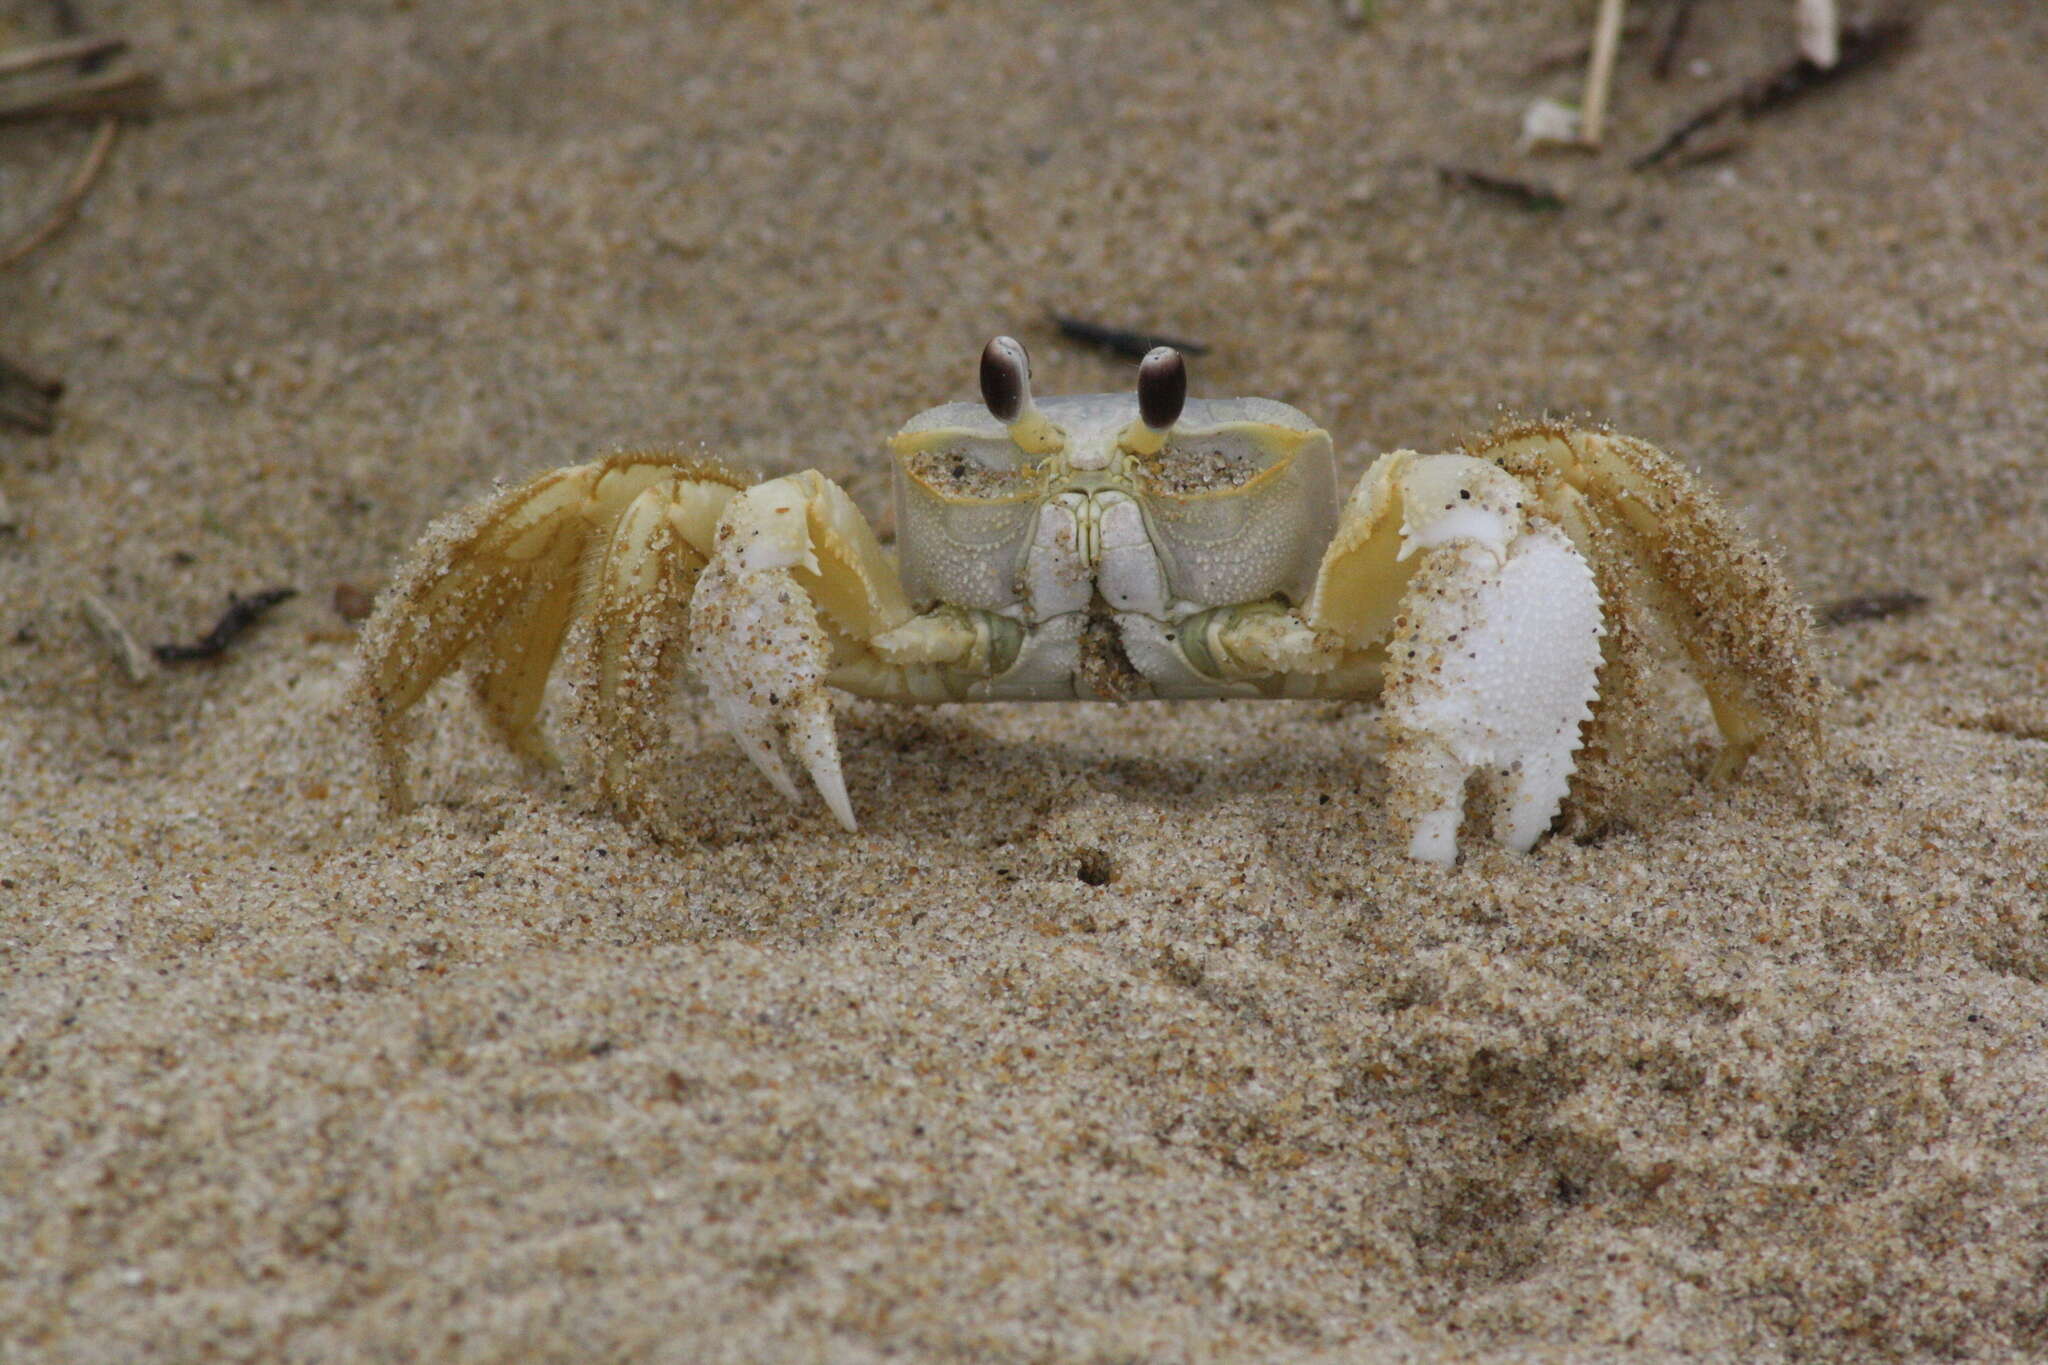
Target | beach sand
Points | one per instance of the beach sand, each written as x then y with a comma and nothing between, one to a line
1117,1034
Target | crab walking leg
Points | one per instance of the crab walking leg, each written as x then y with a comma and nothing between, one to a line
794,563
499,582
1607,753
515,656
1744,631
634,597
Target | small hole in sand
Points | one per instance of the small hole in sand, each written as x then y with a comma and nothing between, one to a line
1095,867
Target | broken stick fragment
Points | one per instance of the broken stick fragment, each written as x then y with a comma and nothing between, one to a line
39,55
134,660
1600,72
1820,31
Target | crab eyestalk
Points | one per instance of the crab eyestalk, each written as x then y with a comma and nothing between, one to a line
1162,394
1006,389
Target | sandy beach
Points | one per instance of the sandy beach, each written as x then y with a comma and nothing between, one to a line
1117,1033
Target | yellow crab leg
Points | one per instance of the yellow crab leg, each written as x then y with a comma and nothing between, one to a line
1745,632
499,580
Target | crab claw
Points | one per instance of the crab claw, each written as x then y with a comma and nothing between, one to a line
758,646
1494,663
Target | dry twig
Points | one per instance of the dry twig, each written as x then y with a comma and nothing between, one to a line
1674,34
28,399
1600,73
134,661
82,50
241,613
61,212
1862,46
110,92
1820,31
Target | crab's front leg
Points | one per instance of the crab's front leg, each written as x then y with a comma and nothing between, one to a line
671,565
1491,626
797,583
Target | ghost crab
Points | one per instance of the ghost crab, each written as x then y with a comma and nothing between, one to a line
1116,547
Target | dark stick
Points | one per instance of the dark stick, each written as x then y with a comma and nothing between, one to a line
67,204
1863,46
28,399
1682,134
118,92
1707,150
1667,51
242,613
1524,194
19,59
1117,340
1875,606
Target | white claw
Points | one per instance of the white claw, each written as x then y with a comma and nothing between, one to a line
758,744
1496,667
758,648
812,739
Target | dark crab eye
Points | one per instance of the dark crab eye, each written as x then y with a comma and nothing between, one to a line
1005,379
1162,387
